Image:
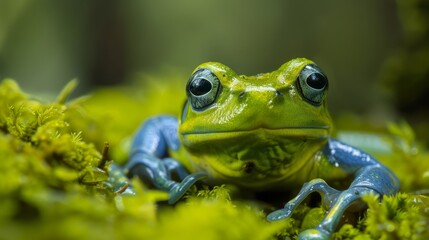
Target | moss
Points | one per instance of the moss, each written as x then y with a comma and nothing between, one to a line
53,184
404,216
400,217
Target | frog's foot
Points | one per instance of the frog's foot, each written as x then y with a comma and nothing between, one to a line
336,202
158,172
179,189
343,201
119,181
329,196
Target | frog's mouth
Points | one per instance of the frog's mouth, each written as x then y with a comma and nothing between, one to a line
313,132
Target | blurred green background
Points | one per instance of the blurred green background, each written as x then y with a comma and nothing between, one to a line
375,53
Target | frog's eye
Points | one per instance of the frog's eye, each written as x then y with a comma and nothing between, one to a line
202,89
312,84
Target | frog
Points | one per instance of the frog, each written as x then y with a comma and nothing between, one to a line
270,131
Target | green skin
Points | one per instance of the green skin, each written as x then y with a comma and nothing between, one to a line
253,138
265,132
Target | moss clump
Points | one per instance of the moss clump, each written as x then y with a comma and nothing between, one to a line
41,129
401,217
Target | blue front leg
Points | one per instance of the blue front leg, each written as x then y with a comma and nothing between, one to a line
370,177
149,157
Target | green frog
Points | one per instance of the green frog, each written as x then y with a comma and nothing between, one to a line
265,132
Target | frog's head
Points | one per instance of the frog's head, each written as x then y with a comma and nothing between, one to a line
237,117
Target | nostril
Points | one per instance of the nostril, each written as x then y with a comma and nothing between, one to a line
241,95
249,167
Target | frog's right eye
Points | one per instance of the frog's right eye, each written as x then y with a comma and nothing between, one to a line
202,89
312,84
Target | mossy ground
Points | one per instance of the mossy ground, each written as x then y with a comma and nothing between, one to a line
52,184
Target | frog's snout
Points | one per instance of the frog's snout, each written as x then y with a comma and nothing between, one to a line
262,96
277,93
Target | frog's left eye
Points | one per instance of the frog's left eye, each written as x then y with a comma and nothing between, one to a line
312,84
202,89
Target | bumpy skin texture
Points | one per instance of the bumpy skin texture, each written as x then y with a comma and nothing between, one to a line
269,131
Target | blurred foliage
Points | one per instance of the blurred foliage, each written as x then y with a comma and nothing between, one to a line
407,71
46,150
405,74
410,161
103,42
117,112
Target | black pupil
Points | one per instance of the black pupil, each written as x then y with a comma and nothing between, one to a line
316,80
200,86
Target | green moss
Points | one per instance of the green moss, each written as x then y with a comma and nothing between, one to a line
403,216
400,217
52,183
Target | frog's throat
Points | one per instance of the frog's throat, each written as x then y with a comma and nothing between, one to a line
274,155
313,132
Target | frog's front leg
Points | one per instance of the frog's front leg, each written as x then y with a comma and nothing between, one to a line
370,178
329,196
149,159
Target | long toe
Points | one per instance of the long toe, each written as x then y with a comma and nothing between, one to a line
180,189
279,214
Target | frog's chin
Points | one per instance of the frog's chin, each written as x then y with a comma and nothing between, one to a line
311,132
255,158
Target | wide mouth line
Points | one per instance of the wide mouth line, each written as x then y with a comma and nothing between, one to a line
259,129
